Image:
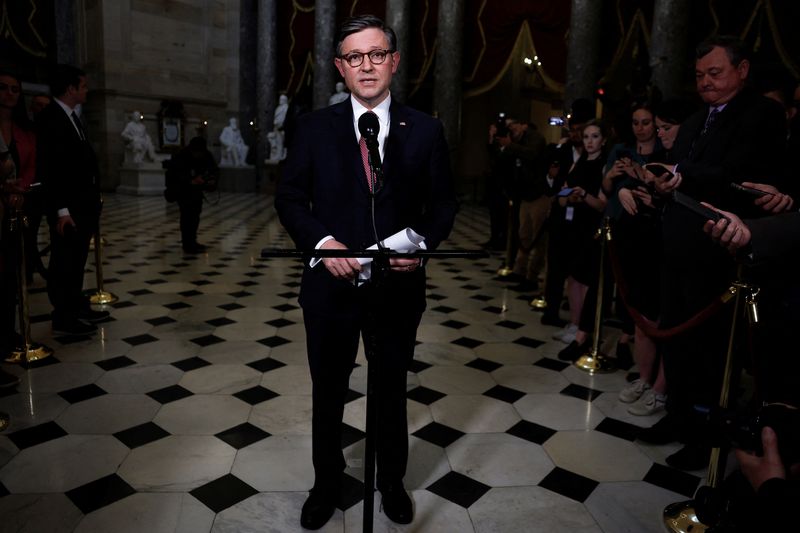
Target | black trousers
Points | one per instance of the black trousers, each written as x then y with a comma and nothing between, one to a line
68,254
332,346
190,205
8,288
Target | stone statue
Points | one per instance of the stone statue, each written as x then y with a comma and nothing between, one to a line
234,150
277,151
340,95
280,112
138,144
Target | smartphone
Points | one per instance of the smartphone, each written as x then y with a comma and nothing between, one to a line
758,193
565,192
659,171
557,121
696,207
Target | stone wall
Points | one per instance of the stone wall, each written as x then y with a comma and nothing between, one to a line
140,52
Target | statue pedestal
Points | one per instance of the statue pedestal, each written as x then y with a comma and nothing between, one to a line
142,179
238,179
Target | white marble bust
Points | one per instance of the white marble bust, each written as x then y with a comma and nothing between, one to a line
234,150
138,145
340,95
280,112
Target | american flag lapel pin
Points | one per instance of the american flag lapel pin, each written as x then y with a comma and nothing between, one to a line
402,123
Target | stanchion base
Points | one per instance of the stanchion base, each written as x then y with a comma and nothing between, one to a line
595,363
4,421
34,352
538,303
504,271
100,297
681,517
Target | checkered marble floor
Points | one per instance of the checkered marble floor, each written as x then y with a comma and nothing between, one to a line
190,410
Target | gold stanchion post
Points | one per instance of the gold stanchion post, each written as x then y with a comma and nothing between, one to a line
681,517
594,361
508,268
99,296
29,351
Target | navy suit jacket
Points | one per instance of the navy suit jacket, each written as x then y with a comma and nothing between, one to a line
324,191
66,166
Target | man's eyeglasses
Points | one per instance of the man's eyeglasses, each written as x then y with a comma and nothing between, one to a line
13,89
376,57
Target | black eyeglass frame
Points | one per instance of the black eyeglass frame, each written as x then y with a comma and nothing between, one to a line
359,56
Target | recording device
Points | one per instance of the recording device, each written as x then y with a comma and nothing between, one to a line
758,193
624,153
369,127
696,207
557,121
502,128
659,171
565,191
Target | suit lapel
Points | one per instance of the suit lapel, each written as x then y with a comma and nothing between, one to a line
347,144
395,143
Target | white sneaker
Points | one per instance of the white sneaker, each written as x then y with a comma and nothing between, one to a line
634,391
650,403
569,329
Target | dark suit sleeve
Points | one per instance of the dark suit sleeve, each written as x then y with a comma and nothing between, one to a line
295,191
775,238
440,206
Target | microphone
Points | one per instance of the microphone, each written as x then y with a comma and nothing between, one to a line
368,127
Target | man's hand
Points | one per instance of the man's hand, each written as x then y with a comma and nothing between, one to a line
775,201
757,469
665,185
346,268
628,201
63,222
504,141
731,234
400,264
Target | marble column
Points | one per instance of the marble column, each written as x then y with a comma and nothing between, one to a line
398,17
66,43
324,34
266,72
669,44
447,75
248,52
582,48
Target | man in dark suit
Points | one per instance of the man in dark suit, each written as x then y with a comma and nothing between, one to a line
67,168
739,135
324,202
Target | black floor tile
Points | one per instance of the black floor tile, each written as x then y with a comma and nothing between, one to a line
115,363
418,366
493,309
436,297
190,293
424,395
256,395
71,339
207,340
224,492
672,479
444,309
221,321
141,435
192,363
459,489
289,295
169,394
283,308
531,432
504,394
483,364
31,436
84,392
200,283
573,486
279,323
618,428
139,339
274,341
123,304
455,324
352,396
438,434
231,306
138,292
470,287
177,305
160,321
99,493
242,435
351,435
551,364
240,294
510,324
266,364
580,392
529,342
481,297
467,342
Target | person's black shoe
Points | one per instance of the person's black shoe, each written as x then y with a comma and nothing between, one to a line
396,504
8,380
550,320
526,285
664,431
624,356
317,510
691,457
573,351
73,327
195,248
90,315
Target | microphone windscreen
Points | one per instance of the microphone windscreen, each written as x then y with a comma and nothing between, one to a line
368,125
